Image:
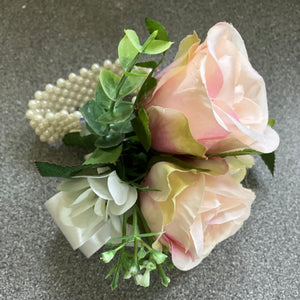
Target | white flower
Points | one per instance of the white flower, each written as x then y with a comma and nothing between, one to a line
88,209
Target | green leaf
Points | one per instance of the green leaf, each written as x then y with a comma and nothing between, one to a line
91,112
109,141
157,46
53,170
271,122
236,153
75,139
137,73
150,39
141,127
148,85
104,156
109,82
127,52
131,84
269,160
101,98
147,64
121,112
154,25
134,39
124,127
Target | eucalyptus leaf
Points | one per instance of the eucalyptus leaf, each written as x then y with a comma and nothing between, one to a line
137,73
91,112
109,141
141,127
131,84
104,155
75,139
147,64
109,82
134,39
150,39
121,112
124,127
127,52
154,25
157,46
101,98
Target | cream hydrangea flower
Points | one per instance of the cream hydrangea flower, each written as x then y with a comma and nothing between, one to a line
88,209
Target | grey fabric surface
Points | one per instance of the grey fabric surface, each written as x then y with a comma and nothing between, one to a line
47,40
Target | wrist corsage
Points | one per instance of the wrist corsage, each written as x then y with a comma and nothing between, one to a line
166,151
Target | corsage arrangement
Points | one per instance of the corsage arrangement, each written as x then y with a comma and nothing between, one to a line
166,151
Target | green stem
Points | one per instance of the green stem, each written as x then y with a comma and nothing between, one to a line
135,232
124,76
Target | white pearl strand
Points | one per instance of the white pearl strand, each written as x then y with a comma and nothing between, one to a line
54,112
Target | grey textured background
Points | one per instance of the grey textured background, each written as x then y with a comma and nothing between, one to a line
48,40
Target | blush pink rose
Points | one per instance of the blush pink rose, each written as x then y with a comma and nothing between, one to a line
210,99
195,210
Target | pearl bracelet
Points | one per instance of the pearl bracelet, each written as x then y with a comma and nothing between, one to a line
55,111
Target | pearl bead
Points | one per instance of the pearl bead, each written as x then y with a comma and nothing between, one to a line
83,91
68,84
72,77
83,72
76,87
38,131
90,92
30,114
46,96
69,102
65,93
33,124
44,104
96,68
72,109
107,64
33,104
38,95
50,116
87,83
117,63
57,91
78,114
60,82
61,100
43,138
79,80
49,88
71,95
86,98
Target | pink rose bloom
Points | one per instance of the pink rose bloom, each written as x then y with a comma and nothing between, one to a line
210,99
195,210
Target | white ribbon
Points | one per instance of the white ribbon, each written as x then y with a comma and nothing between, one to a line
88,210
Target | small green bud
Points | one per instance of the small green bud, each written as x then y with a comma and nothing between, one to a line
158,256
143,280
107,256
